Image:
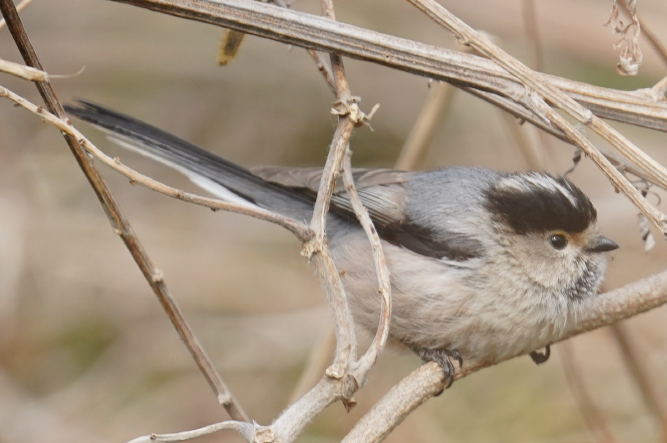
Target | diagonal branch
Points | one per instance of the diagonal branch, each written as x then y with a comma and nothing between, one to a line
428,380
313,32
22,71
119,223
556,97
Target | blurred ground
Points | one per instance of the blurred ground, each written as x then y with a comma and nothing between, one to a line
86,351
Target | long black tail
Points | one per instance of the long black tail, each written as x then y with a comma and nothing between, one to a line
213,173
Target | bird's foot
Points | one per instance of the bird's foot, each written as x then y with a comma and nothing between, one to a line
443,358
540,358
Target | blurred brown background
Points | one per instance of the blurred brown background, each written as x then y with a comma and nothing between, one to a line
86,353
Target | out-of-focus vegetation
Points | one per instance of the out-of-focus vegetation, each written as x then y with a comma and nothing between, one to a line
86,352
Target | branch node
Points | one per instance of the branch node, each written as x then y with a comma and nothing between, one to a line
312,247
335,371
349,108
265,435
157,276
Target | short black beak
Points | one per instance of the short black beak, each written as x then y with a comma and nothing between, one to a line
601,244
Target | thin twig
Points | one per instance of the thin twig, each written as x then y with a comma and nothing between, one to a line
298,229
532,34
647,387
245,429
317,250
323,68
20,7
621,163
546,91
349,112
533,154
466,70
596,422
659,89
22,71
366,362
119,223
318,360
421,135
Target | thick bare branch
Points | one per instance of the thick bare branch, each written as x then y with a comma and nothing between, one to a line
602,310
411,392
309,31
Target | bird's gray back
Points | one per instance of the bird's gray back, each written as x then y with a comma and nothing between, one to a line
448,204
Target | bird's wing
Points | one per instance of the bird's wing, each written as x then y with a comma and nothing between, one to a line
384,193
381,191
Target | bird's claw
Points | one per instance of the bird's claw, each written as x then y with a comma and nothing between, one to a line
443,358
540,358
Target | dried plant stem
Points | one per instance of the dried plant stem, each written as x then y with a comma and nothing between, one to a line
533,154
319,358
650,35
659,89
323,68
532,33
647,387
317,250
246,430
366,362
299,229
119,223
466,34
463,70
421,135
20,7
621,163
592,416
22,71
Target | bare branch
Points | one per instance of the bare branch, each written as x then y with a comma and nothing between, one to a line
423,383
20,7
323,68
300,230
119,223
309,31
24,72
408,394
535,82
317,250
367,361
247,431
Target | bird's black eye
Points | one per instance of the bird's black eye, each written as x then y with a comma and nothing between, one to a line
558,241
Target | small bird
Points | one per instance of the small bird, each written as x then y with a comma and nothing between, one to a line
484,265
